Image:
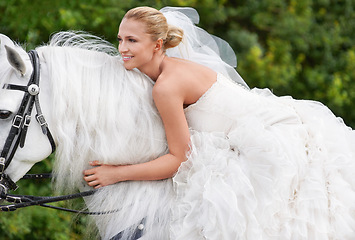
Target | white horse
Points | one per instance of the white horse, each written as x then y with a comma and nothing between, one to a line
96,110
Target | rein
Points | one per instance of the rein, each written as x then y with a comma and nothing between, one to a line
17,137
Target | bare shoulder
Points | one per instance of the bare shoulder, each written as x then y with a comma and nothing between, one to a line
183,81
168,93
166,85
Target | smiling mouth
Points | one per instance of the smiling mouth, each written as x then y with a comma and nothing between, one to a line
127,58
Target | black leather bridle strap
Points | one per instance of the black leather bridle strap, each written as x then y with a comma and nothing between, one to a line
12,143
21,201
42,122
37,176
18,131
26,201
15,87
13,140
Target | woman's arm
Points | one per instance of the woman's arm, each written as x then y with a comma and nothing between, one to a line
169,101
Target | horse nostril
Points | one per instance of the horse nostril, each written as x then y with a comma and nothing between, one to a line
4,114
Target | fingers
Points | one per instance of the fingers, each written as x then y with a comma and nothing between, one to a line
92,181
95,184
100,175
89,172
89,178
95,163
92,170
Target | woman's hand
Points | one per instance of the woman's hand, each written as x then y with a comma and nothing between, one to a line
102,175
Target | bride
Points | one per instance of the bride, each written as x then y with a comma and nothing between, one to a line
245,164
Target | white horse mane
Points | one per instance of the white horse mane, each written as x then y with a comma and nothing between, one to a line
101,111
82,40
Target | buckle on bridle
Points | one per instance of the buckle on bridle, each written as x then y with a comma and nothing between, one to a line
17,121
2,164
41,120
27,121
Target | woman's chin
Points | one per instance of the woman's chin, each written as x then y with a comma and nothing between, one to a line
128,66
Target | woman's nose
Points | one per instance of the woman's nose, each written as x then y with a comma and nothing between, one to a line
122,47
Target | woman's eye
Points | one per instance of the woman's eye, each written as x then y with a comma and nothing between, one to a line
4,114
119,39
132,40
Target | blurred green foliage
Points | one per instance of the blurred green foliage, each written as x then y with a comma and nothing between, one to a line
302,48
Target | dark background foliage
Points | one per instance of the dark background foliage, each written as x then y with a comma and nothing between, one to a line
302,48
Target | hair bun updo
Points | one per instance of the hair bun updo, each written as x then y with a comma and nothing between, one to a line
174,36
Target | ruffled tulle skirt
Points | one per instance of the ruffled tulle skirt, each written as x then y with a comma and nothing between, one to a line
292,179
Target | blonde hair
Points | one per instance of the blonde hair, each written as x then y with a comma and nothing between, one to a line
157,26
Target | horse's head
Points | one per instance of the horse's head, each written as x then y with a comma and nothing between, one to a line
16,69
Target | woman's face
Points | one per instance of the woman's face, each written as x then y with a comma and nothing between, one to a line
135,45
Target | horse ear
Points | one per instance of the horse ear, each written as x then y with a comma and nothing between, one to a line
15,60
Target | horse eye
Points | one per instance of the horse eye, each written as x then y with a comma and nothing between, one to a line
4,114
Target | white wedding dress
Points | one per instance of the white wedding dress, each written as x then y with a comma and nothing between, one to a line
264,167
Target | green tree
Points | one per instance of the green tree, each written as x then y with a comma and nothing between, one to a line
301,48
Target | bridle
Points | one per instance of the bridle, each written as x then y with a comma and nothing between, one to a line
17,137
22,120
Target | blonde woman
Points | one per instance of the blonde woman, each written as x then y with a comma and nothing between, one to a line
245,164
